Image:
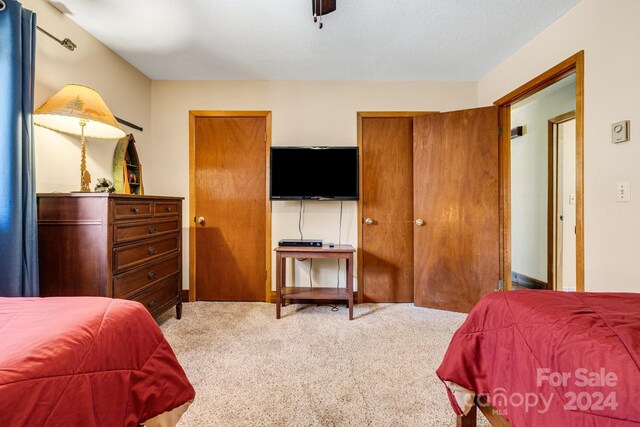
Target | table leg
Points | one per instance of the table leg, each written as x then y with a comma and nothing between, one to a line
350,284
279,277
284,279
468,420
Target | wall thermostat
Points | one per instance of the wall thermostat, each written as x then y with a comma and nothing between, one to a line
620,131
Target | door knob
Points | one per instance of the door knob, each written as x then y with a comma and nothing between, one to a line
368,221
200,220
419,222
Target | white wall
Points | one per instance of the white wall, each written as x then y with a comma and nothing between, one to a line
126,91
324,113
529,179
609,34
304,113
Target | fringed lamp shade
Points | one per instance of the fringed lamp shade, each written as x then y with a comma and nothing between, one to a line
79,110
64,110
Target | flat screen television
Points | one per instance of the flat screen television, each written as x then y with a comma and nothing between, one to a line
314,173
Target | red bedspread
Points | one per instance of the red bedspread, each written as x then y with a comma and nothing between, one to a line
84,362
547,358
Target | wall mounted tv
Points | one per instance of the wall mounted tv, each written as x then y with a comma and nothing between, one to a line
314,173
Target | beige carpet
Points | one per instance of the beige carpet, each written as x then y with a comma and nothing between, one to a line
313,367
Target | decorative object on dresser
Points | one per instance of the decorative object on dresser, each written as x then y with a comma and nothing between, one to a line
112,245
104,186
79,110
127,169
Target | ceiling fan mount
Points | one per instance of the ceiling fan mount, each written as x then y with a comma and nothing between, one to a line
321,8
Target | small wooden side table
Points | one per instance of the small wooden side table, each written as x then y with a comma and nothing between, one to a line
313,293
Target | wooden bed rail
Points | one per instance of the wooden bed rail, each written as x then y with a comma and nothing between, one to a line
492,415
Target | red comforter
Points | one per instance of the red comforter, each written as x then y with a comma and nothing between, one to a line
545,358
84,362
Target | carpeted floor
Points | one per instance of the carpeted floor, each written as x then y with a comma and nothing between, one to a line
313,367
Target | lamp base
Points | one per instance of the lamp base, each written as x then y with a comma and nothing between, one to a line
85,176
85,181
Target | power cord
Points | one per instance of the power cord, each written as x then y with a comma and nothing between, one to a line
339,242
300,214
300,220
333,307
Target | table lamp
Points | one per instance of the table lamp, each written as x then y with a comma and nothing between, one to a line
79,110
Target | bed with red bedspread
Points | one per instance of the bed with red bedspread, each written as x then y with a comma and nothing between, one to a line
85,361
545,358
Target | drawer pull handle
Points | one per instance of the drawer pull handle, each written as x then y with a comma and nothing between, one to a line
135,210
152,275
152,303
152,250
152,229
168,208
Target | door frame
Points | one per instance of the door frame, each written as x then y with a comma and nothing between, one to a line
573,64
193,115
362,115
552,193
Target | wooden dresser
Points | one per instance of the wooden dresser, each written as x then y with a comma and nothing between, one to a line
112,245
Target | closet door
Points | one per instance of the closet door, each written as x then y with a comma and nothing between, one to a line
387,209
456,208
230,197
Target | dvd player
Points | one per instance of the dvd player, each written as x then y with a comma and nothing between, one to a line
309,243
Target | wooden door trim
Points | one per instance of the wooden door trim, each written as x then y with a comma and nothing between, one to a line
193,115
563,117
362,115
392,114
549,77
552,198
573,64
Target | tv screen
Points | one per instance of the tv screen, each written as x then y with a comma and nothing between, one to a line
314,173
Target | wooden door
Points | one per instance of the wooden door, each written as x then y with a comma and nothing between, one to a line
456,253
230,194
387,199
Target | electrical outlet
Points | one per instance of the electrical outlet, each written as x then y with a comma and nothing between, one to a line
623,192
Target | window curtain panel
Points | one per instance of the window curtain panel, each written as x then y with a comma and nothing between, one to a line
18,217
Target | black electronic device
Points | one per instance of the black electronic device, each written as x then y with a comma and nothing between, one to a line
314,173
307,243
517,131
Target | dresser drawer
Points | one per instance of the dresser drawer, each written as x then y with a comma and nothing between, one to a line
146,276
132,209
164,209
127,232
162,296
129,256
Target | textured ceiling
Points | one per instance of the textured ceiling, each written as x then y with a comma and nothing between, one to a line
277,39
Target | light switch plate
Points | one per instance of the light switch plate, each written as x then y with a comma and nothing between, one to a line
620,131
572,199
623,192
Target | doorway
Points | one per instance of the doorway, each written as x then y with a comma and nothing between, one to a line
572,67
535,166
231,230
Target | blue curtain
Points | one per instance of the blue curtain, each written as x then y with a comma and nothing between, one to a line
18,217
